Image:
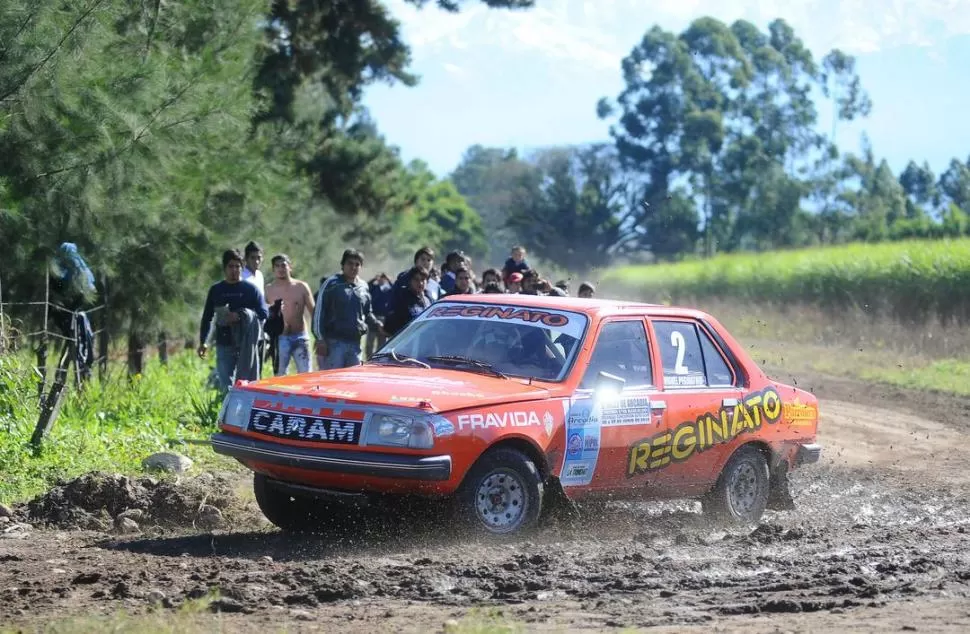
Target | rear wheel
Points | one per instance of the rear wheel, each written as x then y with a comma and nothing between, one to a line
291,513
502,494
741,493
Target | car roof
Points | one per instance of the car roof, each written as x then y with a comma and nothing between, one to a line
593,307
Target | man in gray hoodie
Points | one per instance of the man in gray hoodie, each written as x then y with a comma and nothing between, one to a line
344,314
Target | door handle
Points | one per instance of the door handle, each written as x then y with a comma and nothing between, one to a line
729,402
661,405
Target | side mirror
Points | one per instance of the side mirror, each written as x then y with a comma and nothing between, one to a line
611,382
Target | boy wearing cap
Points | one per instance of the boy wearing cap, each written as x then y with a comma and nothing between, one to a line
296,302
514,283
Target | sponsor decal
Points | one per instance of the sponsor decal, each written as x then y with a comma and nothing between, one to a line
302,427
630,410
407,399
332,391
708,430
390,379
582,441
578,471
459,394
529,315
496,420
548,421
798,414
685,380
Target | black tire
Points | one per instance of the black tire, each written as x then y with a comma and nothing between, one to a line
517,491
290,513
740,495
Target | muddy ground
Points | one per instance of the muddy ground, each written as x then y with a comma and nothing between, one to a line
880,542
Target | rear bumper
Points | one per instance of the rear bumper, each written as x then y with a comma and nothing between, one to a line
807,454
349,462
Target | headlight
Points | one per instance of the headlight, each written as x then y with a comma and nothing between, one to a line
393,430
235,410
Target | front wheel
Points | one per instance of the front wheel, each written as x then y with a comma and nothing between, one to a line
290,513
502,494
741,493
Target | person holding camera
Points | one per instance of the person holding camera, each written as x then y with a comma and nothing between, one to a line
291,302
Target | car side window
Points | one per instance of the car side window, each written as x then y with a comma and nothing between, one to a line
690,358
622,350
717,370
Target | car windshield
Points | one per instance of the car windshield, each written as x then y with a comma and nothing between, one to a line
490,339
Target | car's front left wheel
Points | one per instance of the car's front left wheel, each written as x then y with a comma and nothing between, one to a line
502,494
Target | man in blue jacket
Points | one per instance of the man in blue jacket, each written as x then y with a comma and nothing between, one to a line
345,314
240,311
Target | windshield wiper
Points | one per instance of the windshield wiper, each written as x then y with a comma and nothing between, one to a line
451,359
399,359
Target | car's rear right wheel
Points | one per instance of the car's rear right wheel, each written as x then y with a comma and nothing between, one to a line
502,494
291,513
741,493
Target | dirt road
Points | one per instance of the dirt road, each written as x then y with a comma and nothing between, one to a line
880,542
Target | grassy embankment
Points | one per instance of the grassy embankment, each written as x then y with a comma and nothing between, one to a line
897,313
110,426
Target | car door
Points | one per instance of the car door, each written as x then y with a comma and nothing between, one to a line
700,387
602,419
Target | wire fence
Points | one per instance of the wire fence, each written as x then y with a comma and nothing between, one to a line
74,341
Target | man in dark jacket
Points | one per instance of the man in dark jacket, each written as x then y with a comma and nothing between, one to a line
408,302
240,312
346,315
423,259
381,292
463,283
449,270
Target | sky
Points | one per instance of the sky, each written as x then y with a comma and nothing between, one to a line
531,78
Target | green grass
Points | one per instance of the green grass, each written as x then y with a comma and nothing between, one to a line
110,426
912,281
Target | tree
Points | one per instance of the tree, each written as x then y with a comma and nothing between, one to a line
440,216
494,181
728,111
585,212
955,184
320,55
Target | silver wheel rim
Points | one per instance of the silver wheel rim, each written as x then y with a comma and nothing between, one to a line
500,501
743,489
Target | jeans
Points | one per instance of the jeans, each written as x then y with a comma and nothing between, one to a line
340,354
296,347
226,357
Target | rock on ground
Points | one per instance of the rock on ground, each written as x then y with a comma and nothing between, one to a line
167,461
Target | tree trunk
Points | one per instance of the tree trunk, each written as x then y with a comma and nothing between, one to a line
136,353
163,348
103,337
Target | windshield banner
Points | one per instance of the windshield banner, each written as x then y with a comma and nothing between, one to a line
561,321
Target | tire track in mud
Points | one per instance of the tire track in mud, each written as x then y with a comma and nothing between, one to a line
874,525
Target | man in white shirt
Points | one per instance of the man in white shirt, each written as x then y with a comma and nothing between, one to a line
251,272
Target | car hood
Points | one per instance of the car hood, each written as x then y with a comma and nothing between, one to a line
442,389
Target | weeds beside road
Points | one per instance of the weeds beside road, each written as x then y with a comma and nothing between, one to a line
110,427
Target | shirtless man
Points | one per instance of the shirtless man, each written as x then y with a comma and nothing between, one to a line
294,341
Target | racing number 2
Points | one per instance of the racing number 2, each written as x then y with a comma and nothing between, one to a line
680,345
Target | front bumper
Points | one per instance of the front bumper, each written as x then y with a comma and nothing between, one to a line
351,462
807,454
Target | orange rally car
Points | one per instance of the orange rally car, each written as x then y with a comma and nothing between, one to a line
502,403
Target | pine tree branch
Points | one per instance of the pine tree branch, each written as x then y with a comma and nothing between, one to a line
151,30
131,142
20,31
53,51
